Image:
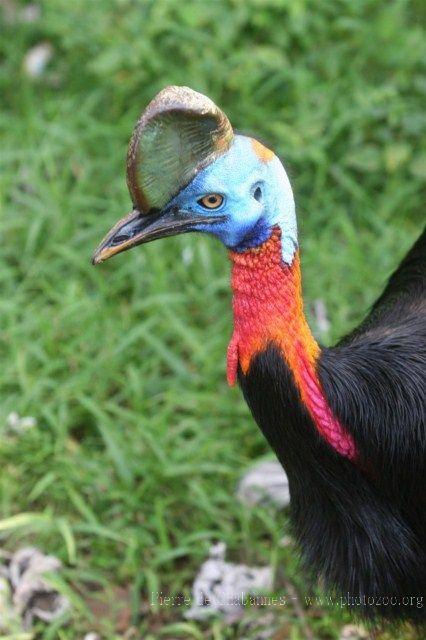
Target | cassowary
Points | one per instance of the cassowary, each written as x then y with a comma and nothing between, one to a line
347,422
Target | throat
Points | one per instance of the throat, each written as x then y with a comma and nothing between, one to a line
268,309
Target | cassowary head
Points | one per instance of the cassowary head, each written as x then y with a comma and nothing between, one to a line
188,171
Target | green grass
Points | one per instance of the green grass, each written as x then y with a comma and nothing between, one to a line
130,474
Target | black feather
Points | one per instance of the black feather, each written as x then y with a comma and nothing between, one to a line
362,526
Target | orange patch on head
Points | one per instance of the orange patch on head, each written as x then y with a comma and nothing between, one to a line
262,152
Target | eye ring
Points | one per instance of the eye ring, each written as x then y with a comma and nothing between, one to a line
211,201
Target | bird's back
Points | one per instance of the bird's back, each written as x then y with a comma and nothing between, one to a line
375,381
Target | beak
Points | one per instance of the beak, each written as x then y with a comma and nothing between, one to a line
137,228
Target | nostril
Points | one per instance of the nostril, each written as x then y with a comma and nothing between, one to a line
258,194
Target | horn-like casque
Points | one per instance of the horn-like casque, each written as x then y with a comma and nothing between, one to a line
180,132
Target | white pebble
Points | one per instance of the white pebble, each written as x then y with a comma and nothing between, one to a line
37,58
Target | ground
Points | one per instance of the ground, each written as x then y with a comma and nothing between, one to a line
129,474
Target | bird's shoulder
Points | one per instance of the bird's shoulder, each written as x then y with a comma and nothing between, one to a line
375,377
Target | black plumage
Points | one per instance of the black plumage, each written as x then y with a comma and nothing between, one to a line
362,527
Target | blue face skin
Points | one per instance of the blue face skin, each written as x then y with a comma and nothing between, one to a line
256,196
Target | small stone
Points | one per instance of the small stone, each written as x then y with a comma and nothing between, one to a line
33,597
28,422
36,59
187,255
221,587
12,420
265,482
286,541
353,632
19,424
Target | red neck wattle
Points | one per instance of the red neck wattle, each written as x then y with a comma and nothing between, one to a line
268,309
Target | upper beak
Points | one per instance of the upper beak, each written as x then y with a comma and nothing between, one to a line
136,228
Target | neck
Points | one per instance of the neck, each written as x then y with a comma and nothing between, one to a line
268,309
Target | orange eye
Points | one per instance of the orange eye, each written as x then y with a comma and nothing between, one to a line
212,201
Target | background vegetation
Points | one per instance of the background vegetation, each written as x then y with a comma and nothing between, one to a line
130,472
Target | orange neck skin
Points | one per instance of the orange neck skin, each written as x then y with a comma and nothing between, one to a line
268,309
